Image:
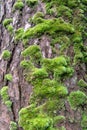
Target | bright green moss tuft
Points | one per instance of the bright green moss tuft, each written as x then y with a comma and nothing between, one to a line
26,64
51,91
33,52
4,93
29,118
8,103
5,97
18,34
52,64
18,5
77,37
10,28
8,77
64,11
73,3
13,125
84,121
50,27
82,83
77,99
6,22
38,18
6,54
31,3
40,73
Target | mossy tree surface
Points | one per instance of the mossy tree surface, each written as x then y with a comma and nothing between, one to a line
48,74
45,50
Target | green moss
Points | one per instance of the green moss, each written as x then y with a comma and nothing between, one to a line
82,83
48,26
78,50
51,91
8,103
8,77
59,71
33,52
13,125
37,18
31,3
5,97
77,37
4,93
18,5
40,73
6,22
64,11
18,34
52,64
59,119
73,3
10,28
26,64
84,121
52,106
6,54
30,51
77,99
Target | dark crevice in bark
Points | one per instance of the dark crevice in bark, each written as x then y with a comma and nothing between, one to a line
13,111
20,93
13,2
11,59
4,14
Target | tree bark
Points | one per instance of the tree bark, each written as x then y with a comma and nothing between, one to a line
19,89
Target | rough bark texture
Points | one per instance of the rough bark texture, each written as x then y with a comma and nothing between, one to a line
19,89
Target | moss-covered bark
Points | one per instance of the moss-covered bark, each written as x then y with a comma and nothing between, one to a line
43,48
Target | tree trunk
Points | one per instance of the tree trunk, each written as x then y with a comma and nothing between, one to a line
19,89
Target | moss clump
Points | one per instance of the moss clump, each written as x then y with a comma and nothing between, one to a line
73,3
13,125
33,52
50,27
10,28
31,3
84,121
78,50
52,64
47,90
6,22
4,93
58,66
77,99
8,77
82,83
64,11
18,5
30,119
18,34
40,73
5,97
26,64
37,18
77,37
6,54
51,91
8,104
